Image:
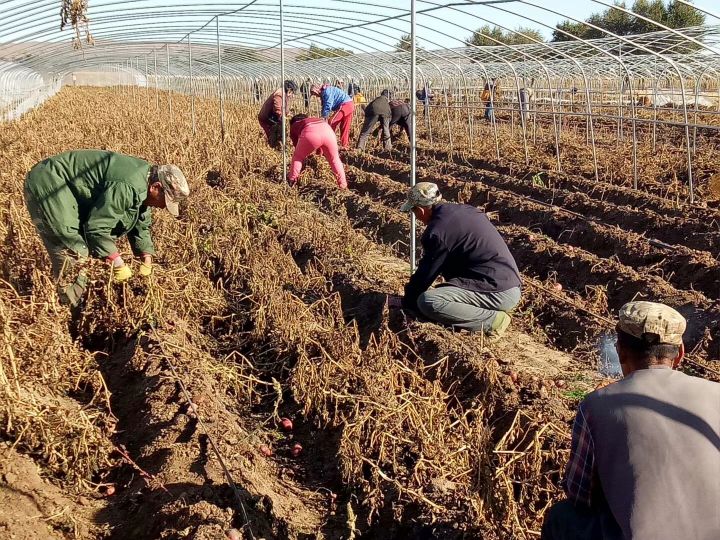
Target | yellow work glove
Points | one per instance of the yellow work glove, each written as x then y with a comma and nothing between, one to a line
121,273
145,269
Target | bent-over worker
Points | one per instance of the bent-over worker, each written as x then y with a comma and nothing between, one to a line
645,452
334,100
271,117
401,116
482,281
314,135
377,111
82,201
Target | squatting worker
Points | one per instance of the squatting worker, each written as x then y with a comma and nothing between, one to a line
645,453
82,201
482,281
336,101
377,111
271,116
314,135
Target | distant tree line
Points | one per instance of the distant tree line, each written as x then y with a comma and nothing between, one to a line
672,14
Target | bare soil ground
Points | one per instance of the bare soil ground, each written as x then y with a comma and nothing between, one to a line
269,303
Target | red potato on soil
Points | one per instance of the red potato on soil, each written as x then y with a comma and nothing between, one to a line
557,287
286,424
265,450
296,450
109,490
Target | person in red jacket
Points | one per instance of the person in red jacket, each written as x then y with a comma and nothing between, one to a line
271,115
314,135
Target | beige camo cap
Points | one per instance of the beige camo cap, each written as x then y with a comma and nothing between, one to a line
638,318
175,186
421,194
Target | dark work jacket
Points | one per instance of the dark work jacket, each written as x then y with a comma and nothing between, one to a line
400,113
463,246
379,106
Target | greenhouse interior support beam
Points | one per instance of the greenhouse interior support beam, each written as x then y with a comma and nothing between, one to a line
413,131
192,91
219,73
283,120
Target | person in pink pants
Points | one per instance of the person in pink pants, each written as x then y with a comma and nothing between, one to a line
314,135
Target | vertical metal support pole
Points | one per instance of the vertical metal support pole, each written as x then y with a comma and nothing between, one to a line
413,122
157,91
282,89
147,87
167,57
192,91
220,88
134,79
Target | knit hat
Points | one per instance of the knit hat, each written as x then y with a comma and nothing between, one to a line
421,194
175,187
639,318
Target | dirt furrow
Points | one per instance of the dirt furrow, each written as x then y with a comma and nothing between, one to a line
695,233
682,267
603,284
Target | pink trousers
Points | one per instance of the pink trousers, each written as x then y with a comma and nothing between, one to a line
343,118
318,137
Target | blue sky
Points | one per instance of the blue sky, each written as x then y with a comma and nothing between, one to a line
258,26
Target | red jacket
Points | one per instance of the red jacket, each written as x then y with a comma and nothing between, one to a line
297,128
273,106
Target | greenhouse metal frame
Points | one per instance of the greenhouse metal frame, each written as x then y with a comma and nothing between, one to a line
241,51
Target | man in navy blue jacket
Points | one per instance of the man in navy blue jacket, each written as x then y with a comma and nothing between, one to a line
481,280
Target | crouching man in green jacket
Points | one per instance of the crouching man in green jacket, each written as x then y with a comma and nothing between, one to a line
82,201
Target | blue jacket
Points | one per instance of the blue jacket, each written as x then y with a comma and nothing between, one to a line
332,98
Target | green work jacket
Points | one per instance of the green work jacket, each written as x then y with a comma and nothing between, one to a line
96,194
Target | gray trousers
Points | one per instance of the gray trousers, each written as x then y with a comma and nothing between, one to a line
463,309
370,121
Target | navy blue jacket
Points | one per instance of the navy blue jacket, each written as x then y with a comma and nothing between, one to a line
463,246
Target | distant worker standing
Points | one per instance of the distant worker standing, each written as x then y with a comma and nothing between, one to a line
271,116
482,282
377,111
488,97
336,101
82,201
305,91
314,135
525,94
645,452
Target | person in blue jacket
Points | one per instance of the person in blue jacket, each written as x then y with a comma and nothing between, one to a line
336,102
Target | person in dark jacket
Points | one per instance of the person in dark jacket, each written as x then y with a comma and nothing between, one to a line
645,452
377,111
401,116
482,282
82,201
305,91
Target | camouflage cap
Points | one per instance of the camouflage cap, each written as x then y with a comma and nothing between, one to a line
175,187
638,318
421,194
